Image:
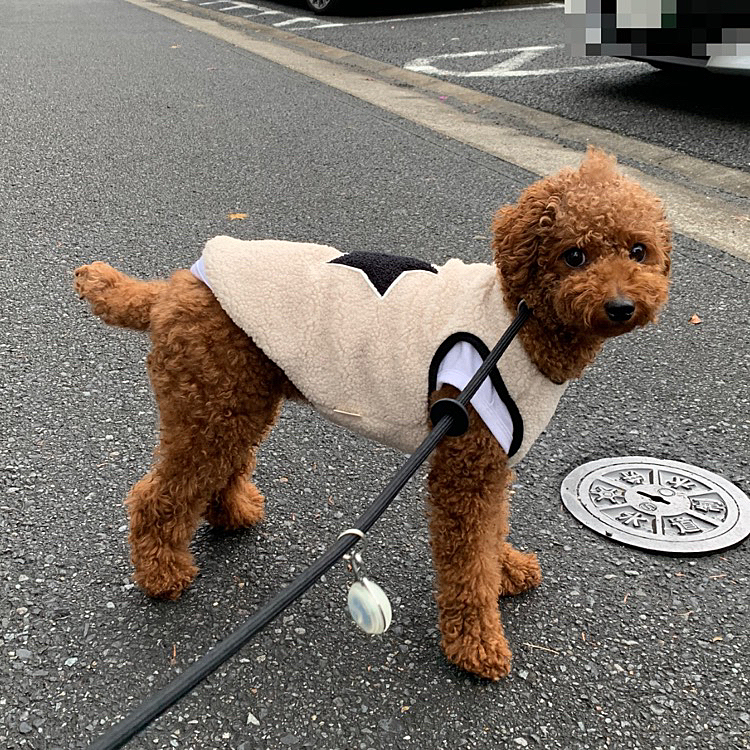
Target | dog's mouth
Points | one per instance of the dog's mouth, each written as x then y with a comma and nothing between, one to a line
609,318
611,330
618,319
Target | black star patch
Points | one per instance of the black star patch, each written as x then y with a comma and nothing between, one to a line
382,270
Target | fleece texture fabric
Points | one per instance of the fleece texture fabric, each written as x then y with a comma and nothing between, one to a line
362,335
457,368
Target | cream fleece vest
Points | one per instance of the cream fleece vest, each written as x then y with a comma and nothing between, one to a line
361,335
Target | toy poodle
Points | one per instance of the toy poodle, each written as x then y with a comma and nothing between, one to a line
370,340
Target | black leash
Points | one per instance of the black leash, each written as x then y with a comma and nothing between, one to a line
449,417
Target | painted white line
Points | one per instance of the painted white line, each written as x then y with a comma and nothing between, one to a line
509,68
315,22
262,11
459,14
498,72
323,26
266,13
232,5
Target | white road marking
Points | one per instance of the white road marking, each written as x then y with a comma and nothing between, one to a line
459,14
316,23
312,20
261,11
508,68
233,5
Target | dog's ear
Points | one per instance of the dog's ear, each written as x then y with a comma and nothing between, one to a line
518,231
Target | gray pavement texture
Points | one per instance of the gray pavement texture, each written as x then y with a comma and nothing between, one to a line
127,138
678,111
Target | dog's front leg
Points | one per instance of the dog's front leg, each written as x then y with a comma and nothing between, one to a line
468,522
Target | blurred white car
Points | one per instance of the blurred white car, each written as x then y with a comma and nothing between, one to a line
735,64
712,35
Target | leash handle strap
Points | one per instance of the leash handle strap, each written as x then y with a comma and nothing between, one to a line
141,717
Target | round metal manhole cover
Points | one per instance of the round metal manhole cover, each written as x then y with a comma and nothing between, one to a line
657,505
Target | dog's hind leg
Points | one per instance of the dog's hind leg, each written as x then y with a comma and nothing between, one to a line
115,297
468,519
218,396
240,504
519,571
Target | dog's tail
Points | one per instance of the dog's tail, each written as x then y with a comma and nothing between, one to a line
115,297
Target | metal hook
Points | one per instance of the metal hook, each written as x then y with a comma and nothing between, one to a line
353,532
358,565
367,602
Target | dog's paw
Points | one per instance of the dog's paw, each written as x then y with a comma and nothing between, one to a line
92,280
167,581
487,656
520,571
239,507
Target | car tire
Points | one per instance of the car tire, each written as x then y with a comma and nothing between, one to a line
323,7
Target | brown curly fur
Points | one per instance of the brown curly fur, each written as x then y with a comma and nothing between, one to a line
219,395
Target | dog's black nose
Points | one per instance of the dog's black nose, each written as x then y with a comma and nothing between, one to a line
619,309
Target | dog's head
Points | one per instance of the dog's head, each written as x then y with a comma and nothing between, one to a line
588,249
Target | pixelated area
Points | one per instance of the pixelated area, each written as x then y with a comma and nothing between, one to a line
680,28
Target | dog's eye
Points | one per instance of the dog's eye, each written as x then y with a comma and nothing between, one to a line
638,253
575,257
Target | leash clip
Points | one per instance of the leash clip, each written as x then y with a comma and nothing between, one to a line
368,604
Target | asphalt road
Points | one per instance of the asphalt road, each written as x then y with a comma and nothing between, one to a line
129,138
681,112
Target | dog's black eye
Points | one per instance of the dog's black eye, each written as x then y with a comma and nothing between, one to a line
575,257
638,253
